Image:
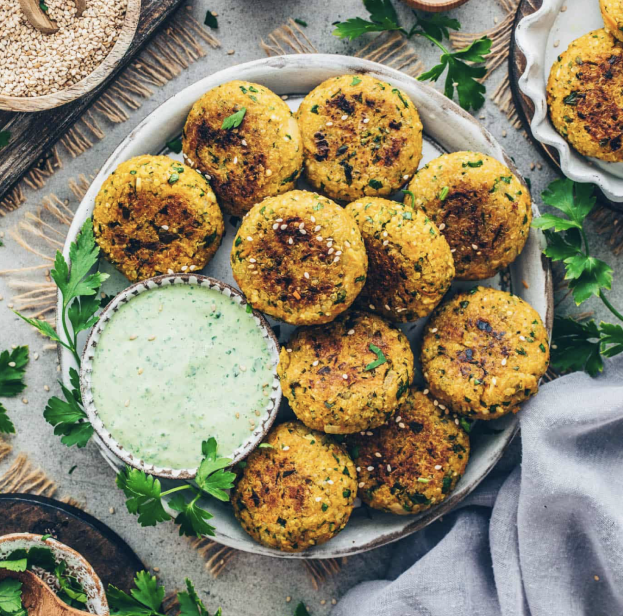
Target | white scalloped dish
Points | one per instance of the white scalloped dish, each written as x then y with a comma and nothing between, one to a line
542,37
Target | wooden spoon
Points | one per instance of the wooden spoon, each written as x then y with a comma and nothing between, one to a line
39,18
37,597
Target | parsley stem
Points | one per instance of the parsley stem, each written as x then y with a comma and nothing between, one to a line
610,307
71,347
585,239
432,40
178,489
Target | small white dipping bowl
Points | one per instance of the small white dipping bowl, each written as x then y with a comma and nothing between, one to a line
77,566
128,457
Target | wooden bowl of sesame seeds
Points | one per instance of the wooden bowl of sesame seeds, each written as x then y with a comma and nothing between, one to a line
44,71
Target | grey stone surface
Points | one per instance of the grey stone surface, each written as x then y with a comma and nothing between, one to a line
250,585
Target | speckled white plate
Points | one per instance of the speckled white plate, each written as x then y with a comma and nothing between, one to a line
447,128
541,37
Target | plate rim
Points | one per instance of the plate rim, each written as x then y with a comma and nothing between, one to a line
327,62
532,83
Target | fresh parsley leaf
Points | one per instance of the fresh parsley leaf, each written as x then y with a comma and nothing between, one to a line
211,477
145,598
462,76
234,120
12,371
576,346
380,358
301,610
437,25
44,7
68,417
382,17
211,20
15,565
5,137
44,538
6,425
190,604
144,496
11,597
191,519
611,339
175,145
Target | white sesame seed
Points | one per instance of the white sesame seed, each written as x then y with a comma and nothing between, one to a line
151,338
369,433
244,142
235,160
474,247
435,402
286,448
12,364
25,400
249,238
385,242
522,338
36,356
133,337
351,332
371,306
284,227
306,274
329,123
302,232
344,117
442,226
170,271
345,377
164,227
252,260
126,403
378,455
330,482
317,228
269,172
289,350
389,468
493,380
192,268
366,120
330,251
243,368
318,499
275,226
387,307
370,468
315,363
452,250
438,467
434,330
46,387
425,392
361,484
401,425
319,238
184,268
504,362
290,241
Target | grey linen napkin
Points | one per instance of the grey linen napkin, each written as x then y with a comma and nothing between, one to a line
545,539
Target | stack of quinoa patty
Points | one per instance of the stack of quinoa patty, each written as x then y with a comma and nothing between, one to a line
346,264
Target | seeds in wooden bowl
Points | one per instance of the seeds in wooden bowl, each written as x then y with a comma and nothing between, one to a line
35,64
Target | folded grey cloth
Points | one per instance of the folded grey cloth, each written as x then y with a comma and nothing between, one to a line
545,539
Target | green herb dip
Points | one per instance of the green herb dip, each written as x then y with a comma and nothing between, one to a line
176,365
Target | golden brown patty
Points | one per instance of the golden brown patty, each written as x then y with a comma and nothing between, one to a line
296,492
260,158
361,137
412,463
482,209
299,257
346,376
410,266
585,96
154,215
612,13
484,352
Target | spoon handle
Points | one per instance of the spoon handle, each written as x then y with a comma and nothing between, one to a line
37,17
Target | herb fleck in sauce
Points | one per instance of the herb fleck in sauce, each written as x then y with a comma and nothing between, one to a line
207,372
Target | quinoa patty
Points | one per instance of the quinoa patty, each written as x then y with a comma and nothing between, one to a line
297,491
412,463
482,209
153,215
361,137
299,257
585,96
346,376
410,266
612,13
484,352
261,157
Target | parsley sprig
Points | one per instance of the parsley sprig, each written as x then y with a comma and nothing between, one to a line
145,496
578,346
12,371
79,286
380,358
146,598
461,73
11,598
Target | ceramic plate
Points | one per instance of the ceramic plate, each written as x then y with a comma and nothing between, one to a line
447,128
542,37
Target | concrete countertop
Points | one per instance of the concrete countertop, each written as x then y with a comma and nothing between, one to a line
250,585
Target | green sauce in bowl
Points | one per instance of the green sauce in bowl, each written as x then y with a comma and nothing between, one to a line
176,365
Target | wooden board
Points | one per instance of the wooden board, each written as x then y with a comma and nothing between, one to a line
113,560
524,105
33,134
